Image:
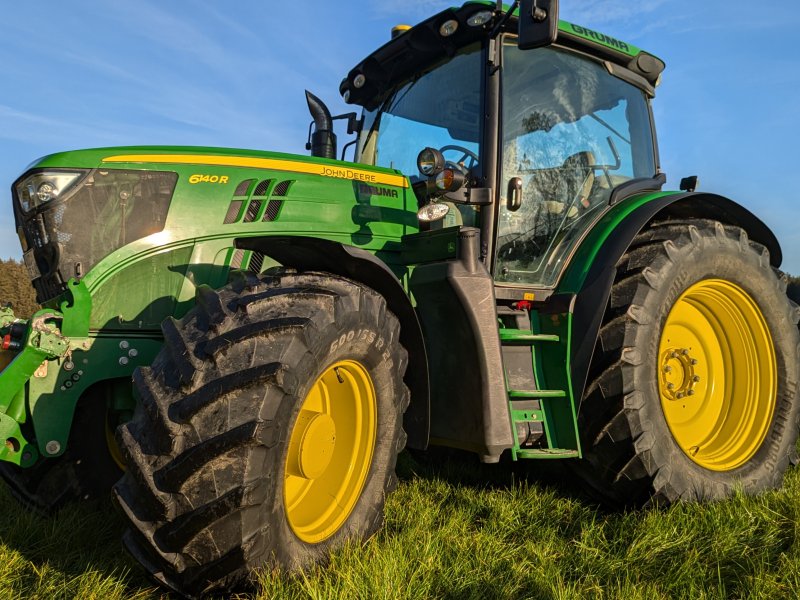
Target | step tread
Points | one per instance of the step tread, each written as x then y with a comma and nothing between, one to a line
549,452
522,336
532,394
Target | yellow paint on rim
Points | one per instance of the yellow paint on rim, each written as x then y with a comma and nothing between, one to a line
113,448
717,374
276,164
330,451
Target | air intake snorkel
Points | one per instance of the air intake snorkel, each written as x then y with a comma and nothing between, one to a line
322,142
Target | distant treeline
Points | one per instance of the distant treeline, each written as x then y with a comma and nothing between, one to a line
793,289
16,288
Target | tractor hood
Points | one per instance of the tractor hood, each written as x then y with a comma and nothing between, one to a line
82,213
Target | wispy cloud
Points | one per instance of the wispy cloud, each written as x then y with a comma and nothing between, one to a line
408,8
611,11
606,12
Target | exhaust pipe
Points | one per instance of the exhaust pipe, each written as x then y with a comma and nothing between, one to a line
323,140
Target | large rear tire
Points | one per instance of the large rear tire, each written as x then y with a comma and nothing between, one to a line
267,431
693,385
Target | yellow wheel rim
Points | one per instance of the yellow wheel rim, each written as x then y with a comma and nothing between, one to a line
330,451
717,374
111,442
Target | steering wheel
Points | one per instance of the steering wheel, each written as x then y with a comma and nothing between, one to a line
465,154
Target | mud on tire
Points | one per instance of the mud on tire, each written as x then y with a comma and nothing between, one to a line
630,454
207,447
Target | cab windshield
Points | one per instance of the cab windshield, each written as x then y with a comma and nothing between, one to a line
441,108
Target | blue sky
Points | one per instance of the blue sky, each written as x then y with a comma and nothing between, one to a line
86,73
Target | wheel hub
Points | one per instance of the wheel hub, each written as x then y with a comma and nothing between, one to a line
679,377
316,445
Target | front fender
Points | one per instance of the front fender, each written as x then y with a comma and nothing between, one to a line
590,274
306,253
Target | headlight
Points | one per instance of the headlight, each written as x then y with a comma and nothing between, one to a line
430,162
433,212
43,187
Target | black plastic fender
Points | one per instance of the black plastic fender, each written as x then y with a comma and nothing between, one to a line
306,253
593,296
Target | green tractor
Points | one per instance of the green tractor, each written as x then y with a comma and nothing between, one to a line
497,270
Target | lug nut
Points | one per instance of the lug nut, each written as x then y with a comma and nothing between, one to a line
667,369
696,378
673,354
680,395
693,361
670,386
690,393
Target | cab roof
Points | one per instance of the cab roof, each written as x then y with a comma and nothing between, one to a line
422,46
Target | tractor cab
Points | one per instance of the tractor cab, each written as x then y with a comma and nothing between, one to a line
531,145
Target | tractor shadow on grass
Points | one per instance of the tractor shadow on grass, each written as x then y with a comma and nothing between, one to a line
76,552
462,468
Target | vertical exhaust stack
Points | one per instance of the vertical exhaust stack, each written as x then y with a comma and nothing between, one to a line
323,140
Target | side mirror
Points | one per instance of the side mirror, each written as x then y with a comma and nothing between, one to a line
538,23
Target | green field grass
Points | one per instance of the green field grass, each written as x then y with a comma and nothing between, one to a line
457,529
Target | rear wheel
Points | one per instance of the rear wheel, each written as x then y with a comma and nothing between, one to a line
694,377
267,432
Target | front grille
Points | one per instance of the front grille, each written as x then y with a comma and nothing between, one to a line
109,209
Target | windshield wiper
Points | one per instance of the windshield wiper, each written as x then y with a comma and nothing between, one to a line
610,128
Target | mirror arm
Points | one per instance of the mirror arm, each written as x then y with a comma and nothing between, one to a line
505,18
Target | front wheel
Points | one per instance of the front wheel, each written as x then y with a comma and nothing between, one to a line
267,431
695,373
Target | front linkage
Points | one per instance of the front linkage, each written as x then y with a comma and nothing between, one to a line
29,349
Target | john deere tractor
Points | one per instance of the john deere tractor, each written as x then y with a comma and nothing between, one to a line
240,342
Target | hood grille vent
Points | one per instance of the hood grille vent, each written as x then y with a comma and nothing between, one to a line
260,194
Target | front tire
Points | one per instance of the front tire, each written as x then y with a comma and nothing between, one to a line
693,386
267,432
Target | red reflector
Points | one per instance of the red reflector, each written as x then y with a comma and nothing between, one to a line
7,342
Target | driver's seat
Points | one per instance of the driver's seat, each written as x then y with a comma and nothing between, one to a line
575,167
